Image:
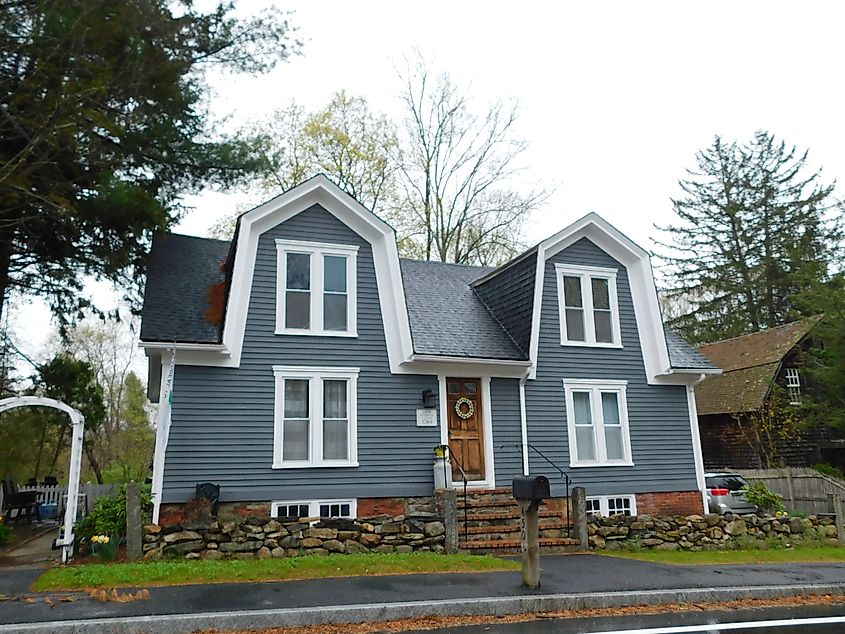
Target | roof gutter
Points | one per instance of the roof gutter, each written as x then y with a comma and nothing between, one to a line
169,345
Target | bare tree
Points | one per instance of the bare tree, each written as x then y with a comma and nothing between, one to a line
457,174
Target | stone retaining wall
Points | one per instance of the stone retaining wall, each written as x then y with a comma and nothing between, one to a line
706,532
264,538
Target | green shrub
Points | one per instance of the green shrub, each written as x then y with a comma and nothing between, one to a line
829,470
5,534
760,496
109,515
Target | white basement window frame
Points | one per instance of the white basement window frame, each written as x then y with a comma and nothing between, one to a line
317,384
316,288
607,505
587,317
326,509
601,427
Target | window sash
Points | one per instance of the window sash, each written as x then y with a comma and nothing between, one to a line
315,508
588,305
793,386
601,505
605,432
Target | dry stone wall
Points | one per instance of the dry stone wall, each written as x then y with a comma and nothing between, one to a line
707,532
263,538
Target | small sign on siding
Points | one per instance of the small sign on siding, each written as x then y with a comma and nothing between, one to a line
427,418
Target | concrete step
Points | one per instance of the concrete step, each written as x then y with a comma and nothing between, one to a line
509,528
513,546
506,516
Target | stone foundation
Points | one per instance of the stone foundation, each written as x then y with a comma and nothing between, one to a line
263,538
672,503
706,532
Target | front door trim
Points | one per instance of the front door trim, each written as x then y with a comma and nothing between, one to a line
486,422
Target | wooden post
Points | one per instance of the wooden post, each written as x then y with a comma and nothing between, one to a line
790,487
579,520
133,521
530,533
840,518
830,506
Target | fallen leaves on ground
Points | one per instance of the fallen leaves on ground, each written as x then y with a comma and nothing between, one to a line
439,622
120,597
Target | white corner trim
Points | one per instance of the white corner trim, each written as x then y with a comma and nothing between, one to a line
640,277
161,440
442,402
487,421
523,424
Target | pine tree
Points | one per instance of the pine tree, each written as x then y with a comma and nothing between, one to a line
756,230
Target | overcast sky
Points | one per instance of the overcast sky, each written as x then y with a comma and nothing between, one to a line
615,97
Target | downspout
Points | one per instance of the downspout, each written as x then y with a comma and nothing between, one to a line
523,419
696,441
161,436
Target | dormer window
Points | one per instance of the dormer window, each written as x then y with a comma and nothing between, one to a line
793,386
589,310
316,289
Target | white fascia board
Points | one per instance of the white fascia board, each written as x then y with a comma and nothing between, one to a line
640,277
318,190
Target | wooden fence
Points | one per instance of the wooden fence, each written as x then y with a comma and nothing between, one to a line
802,489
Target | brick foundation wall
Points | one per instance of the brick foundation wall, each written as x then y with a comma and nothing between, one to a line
673,503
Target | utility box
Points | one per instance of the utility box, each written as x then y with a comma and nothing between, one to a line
531,488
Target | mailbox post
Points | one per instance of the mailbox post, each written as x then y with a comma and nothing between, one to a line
529,491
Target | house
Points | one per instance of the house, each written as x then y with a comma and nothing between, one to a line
316,371
727,403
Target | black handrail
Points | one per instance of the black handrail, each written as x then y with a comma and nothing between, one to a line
464,478
566,480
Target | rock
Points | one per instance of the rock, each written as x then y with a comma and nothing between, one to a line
370,539
713,519
355,547
652,541
795,525
321,552
433,529
263,553
271,543
244,555
367,527
736,527
228,527
605,531
439,549
412,537
311,542
695,518
390,527
830,530
289,542
321,533
384,548
182,536
152,529
212,554
240,547
192,556
150,539
272,526
183,548
715,533
596,541
152,554
197,525
334,546
149,547
345,535
212,545
667,546
277,553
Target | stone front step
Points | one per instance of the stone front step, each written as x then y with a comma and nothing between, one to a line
513,546
508,517
510,528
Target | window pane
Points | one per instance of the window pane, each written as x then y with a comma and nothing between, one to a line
334,274
325,510
299,271
295,440
574,324
297,309
585,443
610,408
601,293
344,510
296,398
334,312
572,292
604,331
334,399
583,414
613,439
469,388
335,440
454,388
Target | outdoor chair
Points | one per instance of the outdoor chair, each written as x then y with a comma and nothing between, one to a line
21,501
210,492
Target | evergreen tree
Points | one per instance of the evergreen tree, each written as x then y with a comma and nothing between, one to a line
756,231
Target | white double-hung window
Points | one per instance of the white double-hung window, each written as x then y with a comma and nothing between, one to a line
316,290
315,417
597,422
589,309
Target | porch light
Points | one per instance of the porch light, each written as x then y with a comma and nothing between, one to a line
429,398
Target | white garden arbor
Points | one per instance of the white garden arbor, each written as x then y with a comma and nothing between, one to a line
65,542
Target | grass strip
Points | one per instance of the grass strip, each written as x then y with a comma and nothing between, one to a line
719,557
166,573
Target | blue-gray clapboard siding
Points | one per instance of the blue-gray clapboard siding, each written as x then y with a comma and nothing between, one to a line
223,417
510,297
507,429
658,417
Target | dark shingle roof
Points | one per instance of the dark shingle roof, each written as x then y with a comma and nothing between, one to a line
180,272
750,365
684,356
447,317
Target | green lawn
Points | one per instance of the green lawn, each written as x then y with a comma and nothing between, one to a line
710,557
163,573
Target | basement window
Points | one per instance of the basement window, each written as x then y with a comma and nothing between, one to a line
608,505
324,509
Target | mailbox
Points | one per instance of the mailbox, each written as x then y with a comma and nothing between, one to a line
531,488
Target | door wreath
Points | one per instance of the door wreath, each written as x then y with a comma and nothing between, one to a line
470,408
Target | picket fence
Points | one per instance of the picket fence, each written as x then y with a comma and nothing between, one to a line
88,494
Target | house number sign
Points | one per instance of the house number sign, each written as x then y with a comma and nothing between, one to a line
426,418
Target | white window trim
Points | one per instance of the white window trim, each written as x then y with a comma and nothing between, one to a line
314,506
584,273
604,506
316,376
793,386
596,387
317,250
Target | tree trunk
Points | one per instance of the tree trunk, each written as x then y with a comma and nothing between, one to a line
6,240
92,460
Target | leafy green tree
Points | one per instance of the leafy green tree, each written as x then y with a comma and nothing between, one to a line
755,230
345,140
104,125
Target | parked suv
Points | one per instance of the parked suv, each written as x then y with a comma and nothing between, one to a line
725,495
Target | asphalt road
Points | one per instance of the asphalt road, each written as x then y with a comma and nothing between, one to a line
753,621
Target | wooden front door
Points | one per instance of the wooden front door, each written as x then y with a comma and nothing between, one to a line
466,432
